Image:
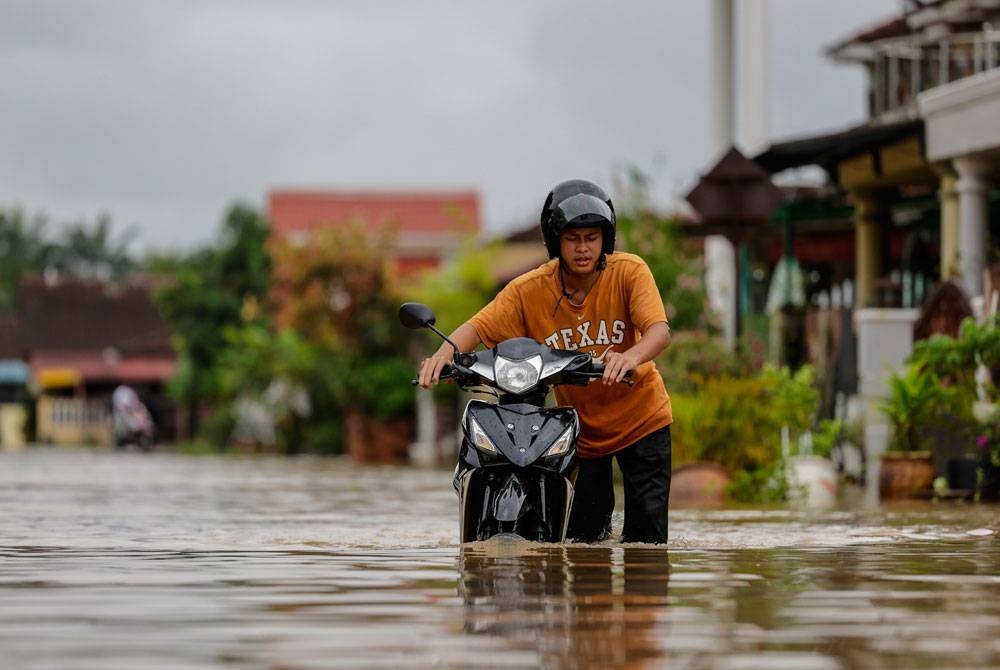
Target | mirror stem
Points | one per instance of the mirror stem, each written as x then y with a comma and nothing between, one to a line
444,337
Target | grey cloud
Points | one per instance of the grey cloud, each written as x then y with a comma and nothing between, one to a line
161,112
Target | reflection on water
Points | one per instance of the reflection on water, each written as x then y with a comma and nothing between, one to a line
605,605
123,561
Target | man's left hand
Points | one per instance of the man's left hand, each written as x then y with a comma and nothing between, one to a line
617,364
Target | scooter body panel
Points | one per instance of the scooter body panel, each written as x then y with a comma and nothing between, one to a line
517,488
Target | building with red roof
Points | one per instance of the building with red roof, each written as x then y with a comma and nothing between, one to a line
78,340
430,225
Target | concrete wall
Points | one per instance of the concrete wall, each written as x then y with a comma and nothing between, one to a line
962,117
885,341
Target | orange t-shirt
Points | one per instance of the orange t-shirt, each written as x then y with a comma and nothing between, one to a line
622,304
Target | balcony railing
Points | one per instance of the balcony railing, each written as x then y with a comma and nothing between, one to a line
903,68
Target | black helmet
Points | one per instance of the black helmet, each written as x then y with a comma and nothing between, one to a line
577,203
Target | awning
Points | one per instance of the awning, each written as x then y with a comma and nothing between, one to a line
96,367
828,150
55,378
14,372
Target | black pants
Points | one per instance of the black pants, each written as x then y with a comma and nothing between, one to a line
645,467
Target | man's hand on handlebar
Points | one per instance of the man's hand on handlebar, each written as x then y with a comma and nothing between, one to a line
617,365
430,369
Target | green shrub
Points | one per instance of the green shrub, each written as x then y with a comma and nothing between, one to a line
737,421
694,357
727,421
918,399
766,484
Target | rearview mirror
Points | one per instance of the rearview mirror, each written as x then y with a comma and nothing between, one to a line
416,315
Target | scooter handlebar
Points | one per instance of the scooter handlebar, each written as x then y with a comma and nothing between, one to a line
447,372
596,372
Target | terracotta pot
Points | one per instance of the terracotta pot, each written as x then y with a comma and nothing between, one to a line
372,440
698,484
906,474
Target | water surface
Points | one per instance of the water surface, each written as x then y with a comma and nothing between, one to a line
111,560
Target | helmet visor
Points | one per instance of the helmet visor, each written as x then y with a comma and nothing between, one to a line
585,210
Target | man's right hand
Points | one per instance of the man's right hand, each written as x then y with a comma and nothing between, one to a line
430,369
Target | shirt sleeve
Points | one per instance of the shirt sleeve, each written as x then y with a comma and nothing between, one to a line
645,303
501,319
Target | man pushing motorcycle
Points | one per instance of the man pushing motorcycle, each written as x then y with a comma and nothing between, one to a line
590,298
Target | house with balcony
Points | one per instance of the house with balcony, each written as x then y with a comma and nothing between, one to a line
921,173
914,197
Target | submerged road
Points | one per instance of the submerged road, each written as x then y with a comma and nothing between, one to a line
116,560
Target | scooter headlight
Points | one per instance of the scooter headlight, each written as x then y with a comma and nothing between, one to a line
562,444
479,437
517,376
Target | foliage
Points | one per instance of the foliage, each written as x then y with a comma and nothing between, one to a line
736,421
938,385
215,290
23,249
766,484
338,293
94,252
955,360
727,421
274,333
916,398
301,385
695,355
988,444
82,251
827,435
459,289
676,266
383,386
336,290
793,397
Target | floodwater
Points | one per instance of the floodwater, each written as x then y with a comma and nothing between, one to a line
114,560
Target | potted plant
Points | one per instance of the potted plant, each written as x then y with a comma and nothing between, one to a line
810,475
988,461
917,399
969,365
380,425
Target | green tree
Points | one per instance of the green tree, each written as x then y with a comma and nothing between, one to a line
94,251
460,288
82,250
24,249
339,294
215,290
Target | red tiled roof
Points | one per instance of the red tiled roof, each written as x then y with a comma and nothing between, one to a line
413,212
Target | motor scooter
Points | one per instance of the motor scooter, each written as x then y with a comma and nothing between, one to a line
517,461
132,424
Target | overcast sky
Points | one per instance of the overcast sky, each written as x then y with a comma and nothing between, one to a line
163,113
